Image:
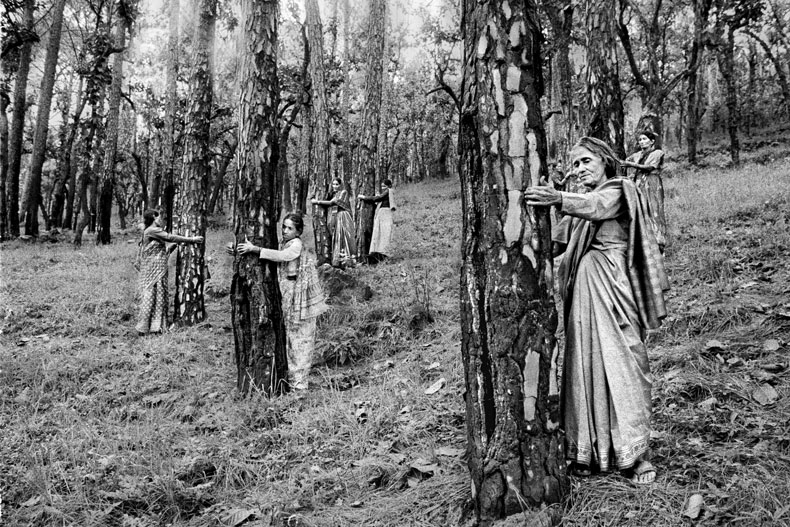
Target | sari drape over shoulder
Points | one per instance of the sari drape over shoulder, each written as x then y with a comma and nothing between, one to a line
612,281
152,285
342,230
651,185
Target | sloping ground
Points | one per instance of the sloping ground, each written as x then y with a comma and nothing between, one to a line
103,428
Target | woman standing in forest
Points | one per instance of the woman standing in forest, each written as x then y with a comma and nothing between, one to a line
152,316
341,225
302,297
612,282
382,222
647,163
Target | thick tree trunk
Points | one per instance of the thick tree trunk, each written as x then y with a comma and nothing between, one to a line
256,312
104,210
33,188
168,141
319,168
604,103
19,108
4,102
365,173
508,317
190,307
726,58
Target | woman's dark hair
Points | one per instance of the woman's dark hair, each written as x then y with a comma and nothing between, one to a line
388,182
647,133
604,151
338,181
296,219
149,216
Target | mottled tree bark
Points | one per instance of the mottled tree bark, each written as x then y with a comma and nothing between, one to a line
68,132
365,173
168,141
189,306
18,108
603,109
726,58
4,102
508,317
258,328
33,187
561,126
319,167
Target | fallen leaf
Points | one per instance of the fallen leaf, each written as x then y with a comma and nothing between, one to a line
714,345
435,387
771,345
693,506
449,451
708,403
433,366
356,504
765,394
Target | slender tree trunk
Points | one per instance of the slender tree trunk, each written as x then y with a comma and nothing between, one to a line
365,173
219,180
306,134
190,306
256,312
104,209
86,178
508,317
604,103
33,188
346,101
726,57
561,129
19,108
750,88
168,141
68,131
319,168
701,9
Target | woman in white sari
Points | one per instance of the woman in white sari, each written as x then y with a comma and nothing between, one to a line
382,222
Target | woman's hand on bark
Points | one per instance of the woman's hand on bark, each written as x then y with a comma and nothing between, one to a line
247,247
542,196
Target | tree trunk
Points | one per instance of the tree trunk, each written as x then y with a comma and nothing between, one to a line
365,173
168,141
4,102
604,103
190,307
222,168
82,220
68,131
256,312
701,9
346,101
726,58
33,187
508,318
104,210
16,137
561,126
319,169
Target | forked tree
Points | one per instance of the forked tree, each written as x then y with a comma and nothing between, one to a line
258,328
508,317
189,302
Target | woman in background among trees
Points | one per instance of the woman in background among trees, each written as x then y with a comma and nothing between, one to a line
341,225
152,316
647,163
382,222
612,282
302,297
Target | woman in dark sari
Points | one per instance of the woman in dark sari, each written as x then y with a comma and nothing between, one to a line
647,164
340,224
612,281
152,314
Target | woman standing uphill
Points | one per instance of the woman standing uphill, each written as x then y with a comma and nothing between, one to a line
612,280
152,316
647,163
302,296
341,225
382,221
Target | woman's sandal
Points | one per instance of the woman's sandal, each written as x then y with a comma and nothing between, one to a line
644,473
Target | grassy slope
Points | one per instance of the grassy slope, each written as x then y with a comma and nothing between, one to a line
101,427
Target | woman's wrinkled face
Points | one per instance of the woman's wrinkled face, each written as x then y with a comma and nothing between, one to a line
644,142
589,167
158,221
335,186
289,231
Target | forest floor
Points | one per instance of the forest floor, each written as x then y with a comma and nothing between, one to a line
101,427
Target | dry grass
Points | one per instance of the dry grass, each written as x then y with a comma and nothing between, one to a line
103,428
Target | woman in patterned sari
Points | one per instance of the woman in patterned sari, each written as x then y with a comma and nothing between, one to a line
340,224
647,163
612,281
302,296
152,315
